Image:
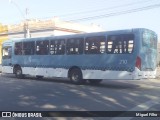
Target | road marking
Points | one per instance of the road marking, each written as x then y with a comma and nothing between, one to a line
141,107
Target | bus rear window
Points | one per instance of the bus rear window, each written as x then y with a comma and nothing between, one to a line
149,39
120,44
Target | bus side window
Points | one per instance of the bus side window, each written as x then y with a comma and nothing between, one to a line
18,48
120,44
130,46
57,47
128,41
28,48
95,45
42,47
75,46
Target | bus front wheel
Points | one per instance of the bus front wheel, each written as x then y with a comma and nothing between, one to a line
18,72
76,77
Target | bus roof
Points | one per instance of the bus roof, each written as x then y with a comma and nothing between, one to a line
78,35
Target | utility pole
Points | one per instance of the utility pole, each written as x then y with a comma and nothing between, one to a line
25,26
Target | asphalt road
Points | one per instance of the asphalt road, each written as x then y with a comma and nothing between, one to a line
30,94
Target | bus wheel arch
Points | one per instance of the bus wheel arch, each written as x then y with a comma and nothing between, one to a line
75,75
17,70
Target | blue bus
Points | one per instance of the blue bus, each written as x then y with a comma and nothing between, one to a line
117,55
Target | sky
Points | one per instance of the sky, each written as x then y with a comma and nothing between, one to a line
109,14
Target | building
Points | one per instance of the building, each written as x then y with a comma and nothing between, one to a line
3,37
42,28
51,27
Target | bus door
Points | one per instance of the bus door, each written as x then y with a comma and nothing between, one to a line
6,59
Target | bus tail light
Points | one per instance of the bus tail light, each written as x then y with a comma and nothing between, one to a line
138,62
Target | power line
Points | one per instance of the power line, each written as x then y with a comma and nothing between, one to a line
64,16
113,13
103,9
117,13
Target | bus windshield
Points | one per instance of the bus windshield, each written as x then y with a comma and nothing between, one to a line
6,52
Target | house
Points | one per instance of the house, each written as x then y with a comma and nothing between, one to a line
51,27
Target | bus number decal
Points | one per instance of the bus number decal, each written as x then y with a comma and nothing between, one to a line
123,62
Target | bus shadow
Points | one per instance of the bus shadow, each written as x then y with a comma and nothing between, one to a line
108,84
115,84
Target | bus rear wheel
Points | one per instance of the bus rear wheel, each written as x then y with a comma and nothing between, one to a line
18,72
76,77
95,81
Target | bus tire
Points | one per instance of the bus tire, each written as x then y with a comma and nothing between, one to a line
18,72
95,81
76,77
